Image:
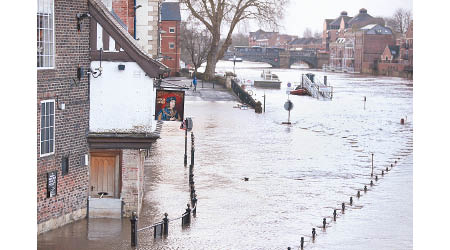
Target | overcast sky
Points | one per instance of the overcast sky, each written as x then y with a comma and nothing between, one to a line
302,14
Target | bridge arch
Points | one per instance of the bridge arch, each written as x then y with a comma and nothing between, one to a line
311,63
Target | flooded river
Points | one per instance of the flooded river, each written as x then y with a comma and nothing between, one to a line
297,174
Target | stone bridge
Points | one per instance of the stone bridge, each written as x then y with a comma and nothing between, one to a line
277,57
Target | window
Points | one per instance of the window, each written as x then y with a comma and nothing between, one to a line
171,45
45,34
172,30
47,127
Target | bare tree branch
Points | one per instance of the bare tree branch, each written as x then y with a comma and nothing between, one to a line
215,13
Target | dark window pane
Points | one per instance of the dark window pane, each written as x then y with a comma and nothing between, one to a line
42,121
52,111
42,135
51,133
42,108
51,146
47,121
45,147
42,148
47,135
52,122
47,108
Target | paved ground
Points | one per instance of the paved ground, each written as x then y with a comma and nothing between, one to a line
206,91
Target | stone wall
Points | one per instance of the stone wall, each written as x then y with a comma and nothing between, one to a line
132,180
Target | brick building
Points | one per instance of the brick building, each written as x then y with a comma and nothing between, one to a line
170,36
62,112
398,60
305,43
262,38
359,42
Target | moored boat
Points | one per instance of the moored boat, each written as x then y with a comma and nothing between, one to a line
269,80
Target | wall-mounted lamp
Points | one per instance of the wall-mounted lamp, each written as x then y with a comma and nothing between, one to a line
59,104
80,17
97,71
121,66
137,7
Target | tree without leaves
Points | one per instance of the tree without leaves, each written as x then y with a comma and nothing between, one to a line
400,21
307,33
215,14
195,45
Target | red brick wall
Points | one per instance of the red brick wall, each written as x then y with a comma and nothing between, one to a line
71,124
131,13
120,7
391,69
374,46
174,54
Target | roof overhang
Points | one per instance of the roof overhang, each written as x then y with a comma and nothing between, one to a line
104,17
121,140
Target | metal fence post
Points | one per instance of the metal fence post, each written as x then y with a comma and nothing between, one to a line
165,225
192,148
134,239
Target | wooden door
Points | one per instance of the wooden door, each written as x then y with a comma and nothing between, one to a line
102,175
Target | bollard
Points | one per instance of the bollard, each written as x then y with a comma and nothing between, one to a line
313,233
302,241
334,215
371,174
402,121
134,239
376,177
343,206
365,188
289,248
358,194
351,200
165,224
392,165
371,183
396,161
387,169
382,172
194,205
324,223
188,211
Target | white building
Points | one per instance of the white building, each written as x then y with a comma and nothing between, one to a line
121,122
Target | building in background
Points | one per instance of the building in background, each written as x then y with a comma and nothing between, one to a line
358,42
62,112
170,36
398,60
305,43
262,38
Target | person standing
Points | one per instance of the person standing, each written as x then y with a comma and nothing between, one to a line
194,81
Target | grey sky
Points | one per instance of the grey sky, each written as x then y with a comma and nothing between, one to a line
302,14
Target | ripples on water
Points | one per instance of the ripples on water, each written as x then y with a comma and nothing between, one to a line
297,174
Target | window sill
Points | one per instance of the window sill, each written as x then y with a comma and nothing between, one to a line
45,155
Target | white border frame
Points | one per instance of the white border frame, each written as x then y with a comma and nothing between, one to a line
54,41
54,127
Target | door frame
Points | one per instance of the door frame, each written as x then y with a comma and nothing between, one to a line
118,157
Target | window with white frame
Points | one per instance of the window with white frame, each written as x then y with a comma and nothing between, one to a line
171,45
45,34
171,29
47,127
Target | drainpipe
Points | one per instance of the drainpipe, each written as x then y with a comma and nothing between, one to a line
134,33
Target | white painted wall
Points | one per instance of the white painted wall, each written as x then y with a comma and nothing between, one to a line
121,100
